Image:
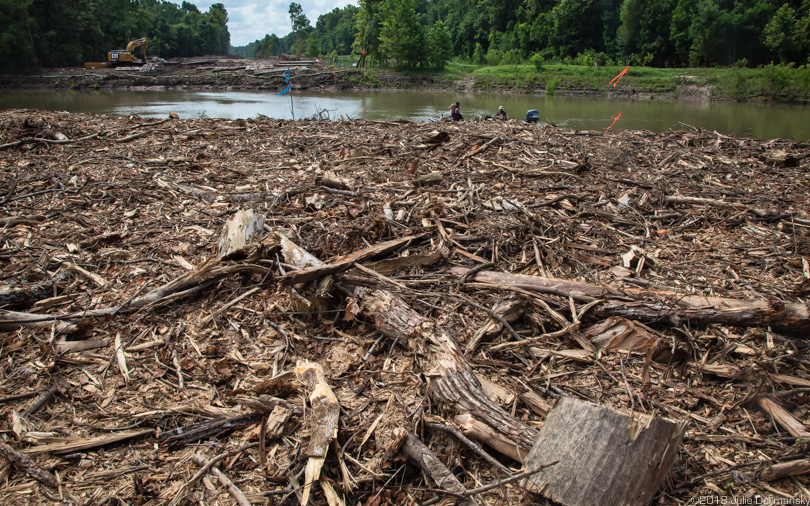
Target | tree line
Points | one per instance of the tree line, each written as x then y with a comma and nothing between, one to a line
60,33
426,33
661,33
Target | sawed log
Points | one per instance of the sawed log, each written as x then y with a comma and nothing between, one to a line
657,306
605,457
451,380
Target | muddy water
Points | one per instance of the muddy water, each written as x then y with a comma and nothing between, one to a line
764,121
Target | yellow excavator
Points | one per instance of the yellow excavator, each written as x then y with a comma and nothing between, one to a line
134,54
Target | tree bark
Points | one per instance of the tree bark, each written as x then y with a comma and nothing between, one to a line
605,457
656,306
451,380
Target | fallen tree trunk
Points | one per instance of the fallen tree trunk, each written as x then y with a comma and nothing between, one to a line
451,380
656,306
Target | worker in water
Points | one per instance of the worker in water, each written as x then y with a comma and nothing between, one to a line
501,114
455,112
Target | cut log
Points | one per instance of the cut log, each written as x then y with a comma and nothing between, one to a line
451,380
657,306
605,457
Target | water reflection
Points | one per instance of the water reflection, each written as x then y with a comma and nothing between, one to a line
765,121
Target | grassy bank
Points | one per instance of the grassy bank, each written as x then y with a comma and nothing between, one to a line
774,82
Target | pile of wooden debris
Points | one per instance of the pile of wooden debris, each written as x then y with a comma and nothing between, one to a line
262,311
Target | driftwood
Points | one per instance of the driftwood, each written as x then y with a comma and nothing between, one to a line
450,378
240,230
23,297
421,455
323,419
127,224
343,263
237,494
781,416
604,457
29,466
206,273
658,306
67,445
208,428
785,469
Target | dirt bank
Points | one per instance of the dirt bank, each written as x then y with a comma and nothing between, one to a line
219,73
223,73
661,273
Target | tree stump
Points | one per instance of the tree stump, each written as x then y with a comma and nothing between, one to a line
605,457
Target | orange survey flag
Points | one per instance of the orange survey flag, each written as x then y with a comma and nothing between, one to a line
618,77
614,122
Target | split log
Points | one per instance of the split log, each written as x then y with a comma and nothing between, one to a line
783,417
657,306
322,420
605,457
451,380
243,228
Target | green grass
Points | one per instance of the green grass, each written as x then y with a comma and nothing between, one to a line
772,82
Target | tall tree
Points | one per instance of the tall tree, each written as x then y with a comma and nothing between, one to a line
440,47
369,24
298,18
402,37
782,34
708,32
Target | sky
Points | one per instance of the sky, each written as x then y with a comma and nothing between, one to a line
250,20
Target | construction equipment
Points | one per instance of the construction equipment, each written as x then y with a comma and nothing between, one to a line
134,54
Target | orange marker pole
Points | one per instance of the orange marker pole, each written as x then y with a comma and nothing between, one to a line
614,122
616,79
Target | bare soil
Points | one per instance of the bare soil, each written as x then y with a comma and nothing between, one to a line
219,73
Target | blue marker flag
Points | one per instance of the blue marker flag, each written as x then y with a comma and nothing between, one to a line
285,90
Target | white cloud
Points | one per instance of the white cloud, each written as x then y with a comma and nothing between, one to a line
249,20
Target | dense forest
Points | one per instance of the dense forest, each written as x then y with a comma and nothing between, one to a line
426,33
60,33
661,33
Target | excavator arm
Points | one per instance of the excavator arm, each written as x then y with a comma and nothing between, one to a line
126,56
